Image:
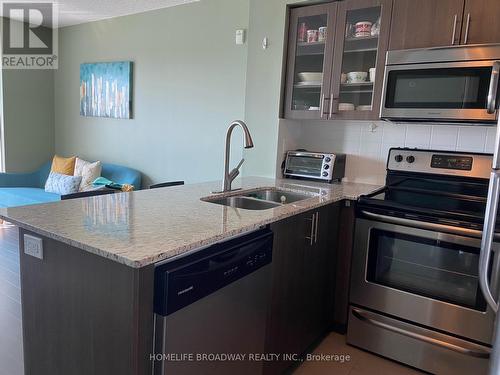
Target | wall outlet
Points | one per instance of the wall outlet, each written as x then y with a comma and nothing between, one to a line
33,246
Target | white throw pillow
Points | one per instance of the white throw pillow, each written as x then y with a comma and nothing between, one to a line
62,184
89,173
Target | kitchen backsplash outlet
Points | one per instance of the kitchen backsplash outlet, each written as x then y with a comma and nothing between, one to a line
367,143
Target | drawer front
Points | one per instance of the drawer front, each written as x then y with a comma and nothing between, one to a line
415,346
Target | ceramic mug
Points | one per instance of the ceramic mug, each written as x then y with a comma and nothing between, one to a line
322,34
363,29
372,74
312,36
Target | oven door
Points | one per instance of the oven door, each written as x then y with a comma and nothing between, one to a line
455,92
424,276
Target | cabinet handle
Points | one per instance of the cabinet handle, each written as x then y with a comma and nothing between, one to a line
466,39
331,106
322,105
454,30
316,228
313,224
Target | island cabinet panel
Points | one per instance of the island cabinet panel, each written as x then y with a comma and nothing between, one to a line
303,284
84,314
481,23
426,23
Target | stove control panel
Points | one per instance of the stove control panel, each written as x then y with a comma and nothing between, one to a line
439,162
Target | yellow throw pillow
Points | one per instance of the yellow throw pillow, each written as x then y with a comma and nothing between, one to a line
63,165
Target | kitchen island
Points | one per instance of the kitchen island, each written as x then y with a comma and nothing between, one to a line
88,304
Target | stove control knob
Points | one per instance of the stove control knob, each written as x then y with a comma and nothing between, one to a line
326,167
325,174
327,159
410,159
399,158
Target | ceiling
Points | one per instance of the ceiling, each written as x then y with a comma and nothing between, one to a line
74,12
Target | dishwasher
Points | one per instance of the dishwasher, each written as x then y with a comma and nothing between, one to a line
211,308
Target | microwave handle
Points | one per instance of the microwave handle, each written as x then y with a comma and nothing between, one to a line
493,91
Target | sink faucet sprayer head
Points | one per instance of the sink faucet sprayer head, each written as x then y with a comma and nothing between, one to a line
248,137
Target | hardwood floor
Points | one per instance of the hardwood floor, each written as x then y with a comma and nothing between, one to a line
11,344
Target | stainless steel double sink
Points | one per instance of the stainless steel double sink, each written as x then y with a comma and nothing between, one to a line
261,199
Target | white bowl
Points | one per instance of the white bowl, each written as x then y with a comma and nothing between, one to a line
357,77
364,108
310,76
346,107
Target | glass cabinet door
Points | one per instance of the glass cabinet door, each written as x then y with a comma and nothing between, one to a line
358,69
310,58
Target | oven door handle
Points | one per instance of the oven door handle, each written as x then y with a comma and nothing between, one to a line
490,218
425,225
417,336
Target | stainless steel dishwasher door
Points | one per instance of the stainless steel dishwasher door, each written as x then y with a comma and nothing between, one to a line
231,321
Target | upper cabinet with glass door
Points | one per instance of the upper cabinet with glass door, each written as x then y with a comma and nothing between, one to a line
310,57
358,67
339,75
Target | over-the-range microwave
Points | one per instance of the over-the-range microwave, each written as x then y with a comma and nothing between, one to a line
444,84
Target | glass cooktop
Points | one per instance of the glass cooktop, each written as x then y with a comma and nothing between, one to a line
433,200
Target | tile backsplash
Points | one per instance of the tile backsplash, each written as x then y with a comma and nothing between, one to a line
367,143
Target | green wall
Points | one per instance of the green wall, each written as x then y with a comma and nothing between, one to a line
28,114
264,81
28,118
190,79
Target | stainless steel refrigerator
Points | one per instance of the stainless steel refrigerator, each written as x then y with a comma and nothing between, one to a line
489,270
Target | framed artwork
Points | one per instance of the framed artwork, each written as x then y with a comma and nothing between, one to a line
106,89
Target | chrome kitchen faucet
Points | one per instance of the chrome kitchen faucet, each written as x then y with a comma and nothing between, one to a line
229,177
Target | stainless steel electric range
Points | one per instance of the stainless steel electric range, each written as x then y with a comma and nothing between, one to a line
415,295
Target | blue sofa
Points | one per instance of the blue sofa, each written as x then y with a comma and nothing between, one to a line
18,189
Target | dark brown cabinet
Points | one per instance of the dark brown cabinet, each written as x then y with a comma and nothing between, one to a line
431,23
425,23
481,23
303,283
337,75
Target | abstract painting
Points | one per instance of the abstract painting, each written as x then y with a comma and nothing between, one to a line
106,90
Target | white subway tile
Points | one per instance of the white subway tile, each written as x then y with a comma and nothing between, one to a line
371,132
394,133
384,150
370,149
443,147
490,140
419,146
418,135
471,138
367,148
350,147
444,136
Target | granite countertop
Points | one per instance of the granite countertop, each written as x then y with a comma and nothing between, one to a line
141,228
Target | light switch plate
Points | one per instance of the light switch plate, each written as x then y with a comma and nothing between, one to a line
33,246
240,37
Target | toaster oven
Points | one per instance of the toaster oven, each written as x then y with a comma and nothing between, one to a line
314,166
